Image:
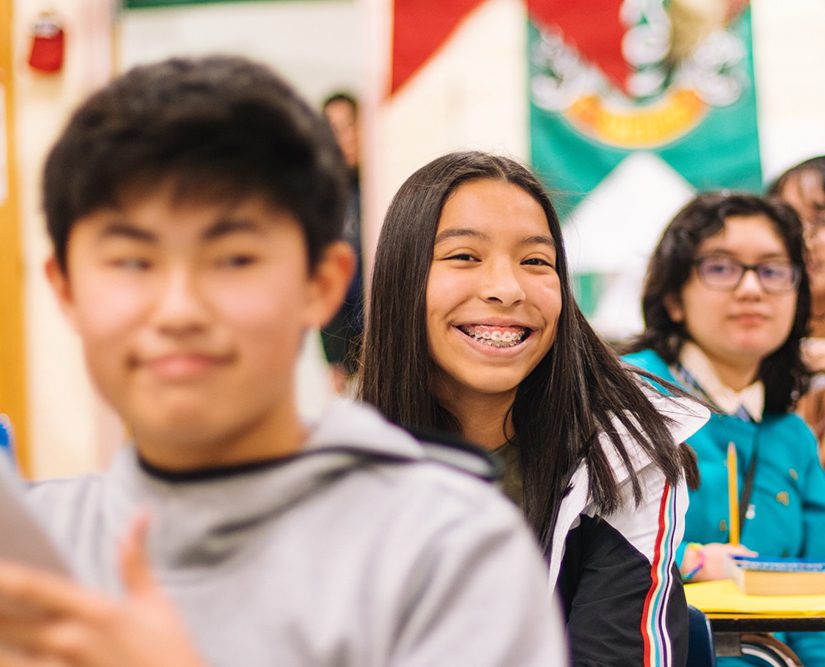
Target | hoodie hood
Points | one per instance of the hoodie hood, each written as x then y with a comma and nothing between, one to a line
360,429
197,520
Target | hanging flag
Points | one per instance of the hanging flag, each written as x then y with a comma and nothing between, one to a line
633,101
420,27
612,77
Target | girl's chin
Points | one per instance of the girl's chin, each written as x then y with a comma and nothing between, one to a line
755,351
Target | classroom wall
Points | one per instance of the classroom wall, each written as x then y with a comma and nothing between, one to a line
316,44
470,95
789,52
67,424
12,355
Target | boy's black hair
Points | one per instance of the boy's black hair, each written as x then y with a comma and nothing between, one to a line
783,371
215,128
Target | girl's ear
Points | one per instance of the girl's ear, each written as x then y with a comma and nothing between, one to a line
329,281
673,306
59,281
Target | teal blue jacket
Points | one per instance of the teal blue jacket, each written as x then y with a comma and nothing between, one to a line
787,505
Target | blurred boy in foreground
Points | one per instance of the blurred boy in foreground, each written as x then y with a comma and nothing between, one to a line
195,210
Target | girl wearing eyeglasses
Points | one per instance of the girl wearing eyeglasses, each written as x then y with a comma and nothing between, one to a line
726,303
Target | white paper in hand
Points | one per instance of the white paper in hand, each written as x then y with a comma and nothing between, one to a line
22,539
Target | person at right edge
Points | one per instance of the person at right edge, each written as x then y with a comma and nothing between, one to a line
726,303
803,187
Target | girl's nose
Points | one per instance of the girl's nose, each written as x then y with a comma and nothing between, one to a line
502,286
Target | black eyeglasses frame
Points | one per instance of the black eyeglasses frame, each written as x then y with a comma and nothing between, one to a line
796,274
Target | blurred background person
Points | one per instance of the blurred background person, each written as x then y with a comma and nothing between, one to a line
803,187
342,336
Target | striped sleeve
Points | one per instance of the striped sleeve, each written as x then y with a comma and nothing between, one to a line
620,587
654,627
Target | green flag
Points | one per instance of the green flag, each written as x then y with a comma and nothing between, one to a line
665,79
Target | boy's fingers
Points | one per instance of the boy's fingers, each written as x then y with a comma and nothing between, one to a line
10,657
135,568
44,637
25,590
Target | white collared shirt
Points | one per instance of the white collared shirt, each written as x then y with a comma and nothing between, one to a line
751,398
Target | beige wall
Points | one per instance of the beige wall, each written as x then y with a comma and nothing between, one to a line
789,53
471,95
315,44
67,423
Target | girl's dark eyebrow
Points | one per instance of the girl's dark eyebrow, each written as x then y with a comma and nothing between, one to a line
455,233
715,252
540,239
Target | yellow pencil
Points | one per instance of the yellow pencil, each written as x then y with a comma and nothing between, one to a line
733,494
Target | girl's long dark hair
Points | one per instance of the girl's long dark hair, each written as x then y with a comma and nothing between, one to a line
783,372
574,394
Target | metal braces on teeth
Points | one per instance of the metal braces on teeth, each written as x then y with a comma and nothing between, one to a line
498,338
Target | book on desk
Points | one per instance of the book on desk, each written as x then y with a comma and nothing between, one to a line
777,576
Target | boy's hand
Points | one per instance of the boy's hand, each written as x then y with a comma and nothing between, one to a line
48,621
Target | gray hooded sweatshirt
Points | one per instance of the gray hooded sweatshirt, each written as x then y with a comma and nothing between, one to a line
361,550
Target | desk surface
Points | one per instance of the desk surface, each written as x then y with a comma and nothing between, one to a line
722,598
731,611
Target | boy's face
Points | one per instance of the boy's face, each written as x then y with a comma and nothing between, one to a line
192,316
